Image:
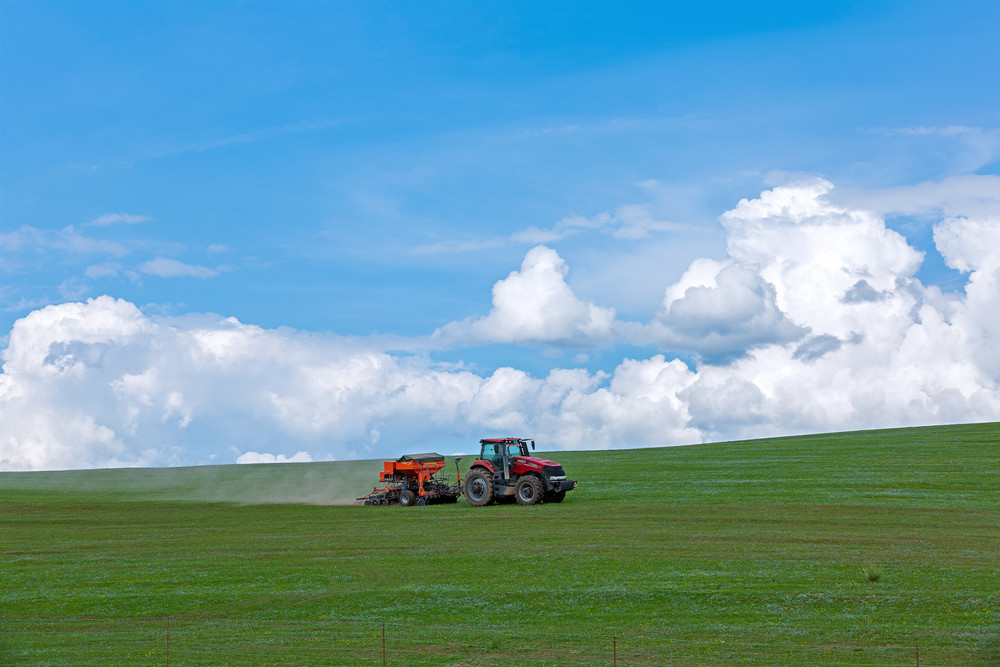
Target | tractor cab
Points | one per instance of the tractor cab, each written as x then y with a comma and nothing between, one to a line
501,451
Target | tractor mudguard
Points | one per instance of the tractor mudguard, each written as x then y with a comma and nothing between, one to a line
482,463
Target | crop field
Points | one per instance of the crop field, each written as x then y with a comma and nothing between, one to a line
873,547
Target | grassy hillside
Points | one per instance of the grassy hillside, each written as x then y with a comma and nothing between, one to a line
735,553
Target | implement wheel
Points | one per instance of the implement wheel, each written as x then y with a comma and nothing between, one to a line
528,490
407,498
479,487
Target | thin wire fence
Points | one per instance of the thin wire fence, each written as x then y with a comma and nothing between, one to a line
213,641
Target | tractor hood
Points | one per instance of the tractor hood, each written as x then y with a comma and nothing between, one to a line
533,461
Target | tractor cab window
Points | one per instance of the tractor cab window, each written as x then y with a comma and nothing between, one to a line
495,454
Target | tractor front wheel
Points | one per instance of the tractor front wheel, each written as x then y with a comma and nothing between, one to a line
479,487
555,497
528,490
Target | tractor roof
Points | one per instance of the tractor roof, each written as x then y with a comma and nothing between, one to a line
494,440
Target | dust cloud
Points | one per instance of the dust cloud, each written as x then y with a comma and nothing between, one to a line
324,483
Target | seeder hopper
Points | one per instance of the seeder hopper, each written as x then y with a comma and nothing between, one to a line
409,480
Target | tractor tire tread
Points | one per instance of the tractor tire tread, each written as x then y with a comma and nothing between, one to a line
487,480
528,490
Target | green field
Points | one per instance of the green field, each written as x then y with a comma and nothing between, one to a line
752,552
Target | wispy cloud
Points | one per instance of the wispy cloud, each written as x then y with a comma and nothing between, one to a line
67,239
927,131
968,195
470,245
630,222
965,149
105,270
116,218
171,268
249,137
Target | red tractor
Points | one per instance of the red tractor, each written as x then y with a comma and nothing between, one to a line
505,469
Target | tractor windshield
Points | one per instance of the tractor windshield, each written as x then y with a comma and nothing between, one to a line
494,451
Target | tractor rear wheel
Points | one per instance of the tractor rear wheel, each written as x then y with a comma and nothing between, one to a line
407,498
528,490
479,487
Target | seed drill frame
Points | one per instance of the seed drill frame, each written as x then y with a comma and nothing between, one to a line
409,480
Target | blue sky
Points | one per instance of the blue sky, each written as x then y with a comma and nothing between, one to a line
410,180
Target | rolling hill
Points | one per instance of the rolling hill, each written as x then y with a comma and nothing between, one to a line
872,547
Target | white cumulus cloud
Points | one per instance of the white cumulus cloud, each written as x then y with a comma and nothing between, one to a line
99,383
813,252
535,304
255,457
882,349
722,308
814,322
968,244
